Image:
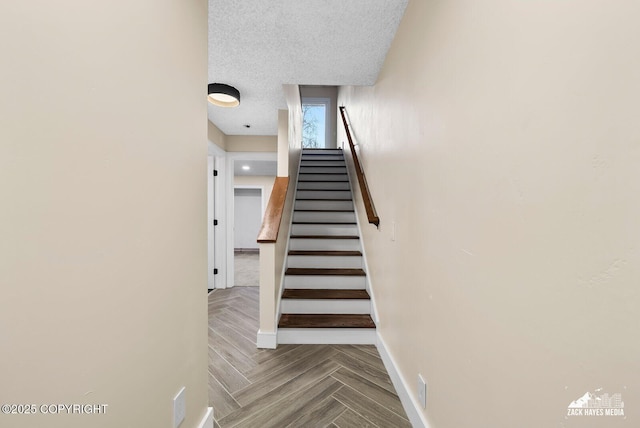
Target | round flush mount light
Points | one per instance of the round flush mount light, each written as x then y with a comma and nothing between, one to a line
246,167
223,95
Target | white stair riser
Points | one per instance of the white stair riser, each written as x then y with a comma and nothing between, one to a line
323,205
339,163
334,336
336,185
329,306
322,170
325,244
323,177
325,217
322,194
334,262
324,229
330,282
322,158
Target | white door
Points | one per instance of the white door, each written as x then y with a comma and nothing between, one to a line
247,218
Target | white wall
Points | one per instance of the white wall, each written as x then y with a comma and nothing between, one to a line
247,217
103,220
502,140
265,182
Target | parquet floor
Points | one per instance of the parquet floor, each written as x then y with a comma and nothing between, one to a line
295,385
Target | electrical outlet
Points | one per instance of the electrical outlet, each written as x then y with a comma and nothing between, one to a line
422,391
179,408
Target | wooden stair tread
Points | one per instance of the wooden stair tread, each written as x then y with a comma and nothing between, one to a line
325,271
323,222
323,173
324,211
324,190
304,293
326,321
321,199
324,253
322,181
324,237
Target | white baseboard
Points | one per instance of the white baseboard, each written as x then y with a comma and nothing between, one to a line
207,420
267,340
411,406
327,336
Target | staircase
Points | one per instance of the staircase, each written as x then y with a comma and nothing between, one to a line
325,298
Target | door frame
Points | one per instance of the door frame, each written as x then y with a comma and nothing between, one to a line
231,159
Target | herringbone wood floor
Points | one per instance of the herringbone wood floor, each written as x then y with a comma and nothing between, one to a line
294,385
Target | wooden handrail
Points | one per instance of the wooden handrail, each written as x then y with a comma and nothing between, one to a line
273,215
372,216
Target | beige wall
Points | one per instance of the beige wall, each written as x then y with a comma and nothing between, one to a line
294,105
241,143
502,139
283,143
103,219
216,136
251,143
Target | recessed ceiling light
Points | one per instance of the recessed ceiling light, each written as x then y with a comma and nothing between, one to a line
223,95
246,167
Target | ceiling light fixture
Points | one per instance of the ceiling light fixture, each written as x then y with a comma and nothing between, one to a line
246,167
223,95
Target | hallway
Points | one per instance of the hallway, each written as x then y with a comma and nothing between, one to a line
294,385
246,268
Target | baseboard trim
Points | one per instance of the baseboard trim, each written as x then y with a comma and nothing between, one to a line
246,251
411,406
267,340
207,420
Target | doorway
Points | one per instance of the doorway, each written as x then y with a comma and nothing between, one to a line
248,208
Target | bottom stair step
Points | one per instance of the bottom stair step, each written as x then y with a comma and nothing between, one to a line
326,321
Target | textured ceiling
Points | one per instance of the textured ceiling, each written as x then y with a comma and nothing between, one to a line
257,46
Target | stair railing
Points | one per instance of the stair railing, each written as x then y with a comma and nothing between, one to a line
372,216
273,215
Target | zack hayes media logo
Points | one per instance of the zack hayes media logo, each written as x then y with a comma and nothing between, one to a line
592,404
